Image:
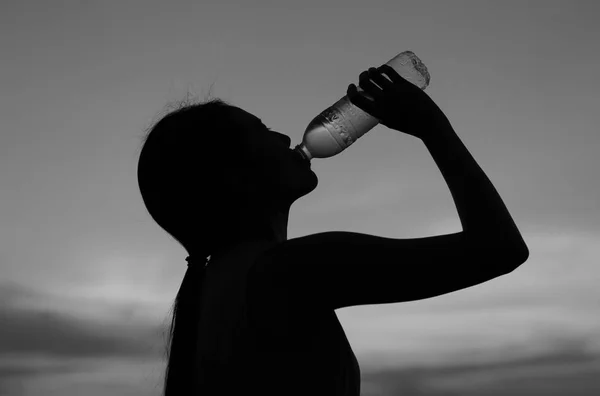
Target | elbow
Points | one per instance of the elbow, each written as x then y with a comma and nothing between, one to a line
516,256
513,250
506,253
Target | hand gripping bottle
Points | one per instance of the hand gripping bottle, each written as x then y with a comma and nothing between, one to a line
340,125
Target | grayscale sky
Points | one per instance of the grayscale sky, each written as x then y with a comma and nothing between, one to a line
87,278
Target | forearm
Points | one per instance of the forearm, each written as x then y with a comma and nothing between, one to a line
480,208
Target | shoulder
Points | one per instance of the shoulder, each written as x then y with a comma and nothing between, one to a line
273,285
267,276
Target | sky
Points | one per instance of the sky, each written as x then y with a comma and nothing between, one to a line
87,278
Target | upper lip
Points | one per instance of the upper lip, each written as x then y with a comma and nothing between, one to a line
299,158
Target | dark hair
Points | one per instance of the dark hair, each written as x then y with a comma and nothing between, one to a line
190,144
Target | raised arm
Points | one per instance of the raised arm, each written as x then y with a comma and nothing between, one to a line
338,269
482,213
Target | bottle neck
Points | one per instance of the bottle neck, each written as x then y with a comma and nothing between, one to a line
303,152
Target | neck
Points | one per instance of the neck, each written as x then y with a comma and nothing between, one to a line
280,223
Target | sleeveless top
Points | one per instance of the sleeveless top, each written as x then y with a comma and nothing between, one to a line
258,335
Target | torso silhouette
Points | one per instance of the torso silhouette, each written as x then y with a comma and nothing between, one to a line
256,337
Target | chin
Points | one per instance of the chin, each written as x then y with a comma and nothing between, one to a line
302,185
308,186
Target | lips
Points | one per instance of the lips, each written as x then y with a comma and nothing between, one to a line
298,158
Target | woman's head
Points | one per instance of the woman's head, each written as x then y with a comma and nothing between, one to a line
212,174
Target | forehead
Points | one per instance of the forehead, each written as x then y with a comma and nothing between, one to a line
249,124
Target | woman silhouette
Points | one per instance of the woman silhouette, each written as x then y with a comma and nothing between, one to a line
221,183
259,319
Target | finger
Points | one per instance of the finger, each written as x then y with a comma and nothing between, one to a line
391,73
359,100
363,75
363,80
369,86
379,79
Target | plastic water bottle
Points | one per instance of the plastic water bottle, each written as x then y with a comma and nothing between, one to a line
339,126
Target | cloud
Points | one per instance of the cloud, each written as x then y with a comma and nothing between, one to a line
564,372
32,331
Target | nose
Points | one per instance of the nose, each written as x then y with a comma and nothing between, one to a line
286,139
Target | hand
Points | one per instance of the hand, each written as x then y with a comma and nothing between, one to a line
398,104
